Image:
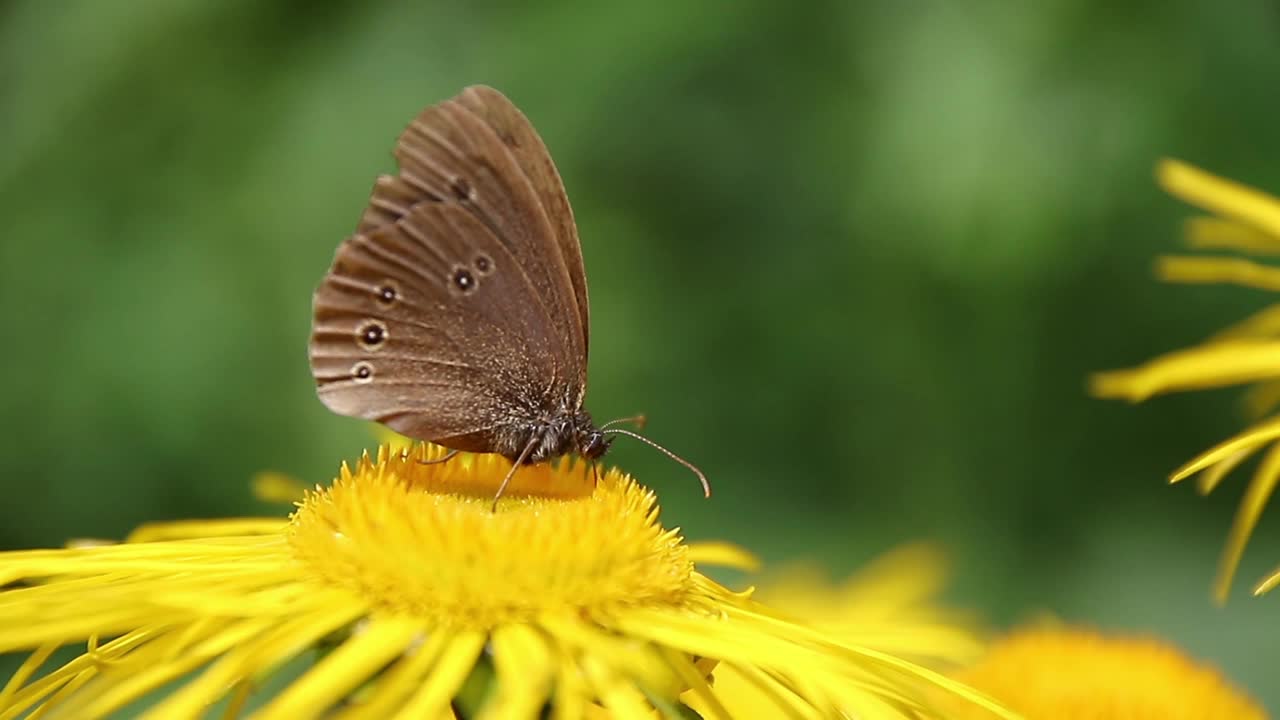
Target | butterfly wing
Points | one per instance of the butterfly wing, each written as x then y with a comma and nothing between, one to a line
452,312
479,151
517,133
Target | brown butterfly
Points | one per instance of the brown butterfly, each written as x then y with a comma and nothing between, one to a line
457,312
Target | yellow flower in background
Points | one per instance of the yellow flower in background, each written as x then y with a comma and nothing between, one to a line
1248,221
891,604
893,598
1042,673
415,600
1076,674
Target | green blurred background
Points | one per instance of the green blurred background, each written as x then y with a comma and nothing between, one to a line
856,260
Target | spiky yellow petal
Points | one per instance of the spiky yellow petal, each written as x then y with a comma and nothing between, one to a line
1212,233
1221,196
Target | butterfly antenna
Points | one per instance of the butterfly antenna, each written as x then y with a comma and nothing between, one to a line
706,486
638,420
511,473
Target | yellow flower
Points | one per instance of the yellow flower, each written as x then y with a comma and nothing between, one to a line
1042,673
421,602
1249,352
1078,674
890,603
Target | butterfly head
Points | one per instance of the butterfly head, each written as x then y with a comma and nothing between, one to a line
592,442
569,432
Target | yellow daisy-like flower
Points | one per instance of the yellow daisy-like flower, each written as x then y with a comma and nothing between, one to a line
1043,673
1076,674
1248,221
424,603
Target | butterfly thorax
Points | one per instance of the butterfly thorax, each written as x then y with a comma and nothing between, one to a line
570,432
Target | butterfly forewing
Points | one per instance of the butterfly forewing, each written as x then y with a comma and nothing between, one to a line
517,133
453,311
450,152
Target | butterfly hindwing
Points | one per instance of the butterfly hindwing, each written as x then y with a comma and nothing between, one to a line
429,325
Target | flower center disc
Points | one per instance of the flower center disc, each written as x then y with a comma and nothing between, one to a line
423,539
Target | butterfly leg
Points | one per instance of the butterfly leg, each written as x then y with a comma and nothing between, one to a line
442,459
528,448
595,473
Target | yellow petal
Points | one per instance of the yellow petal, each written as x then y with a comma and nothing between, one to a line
400,681
277,487
25,671
455,664
1207,366
1261,399
697,682
1252,438
1212,233
1262,325
1255,499
1220,195
344,669
722,554
1268,583
205,529
523,664
1218,270
1213,475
